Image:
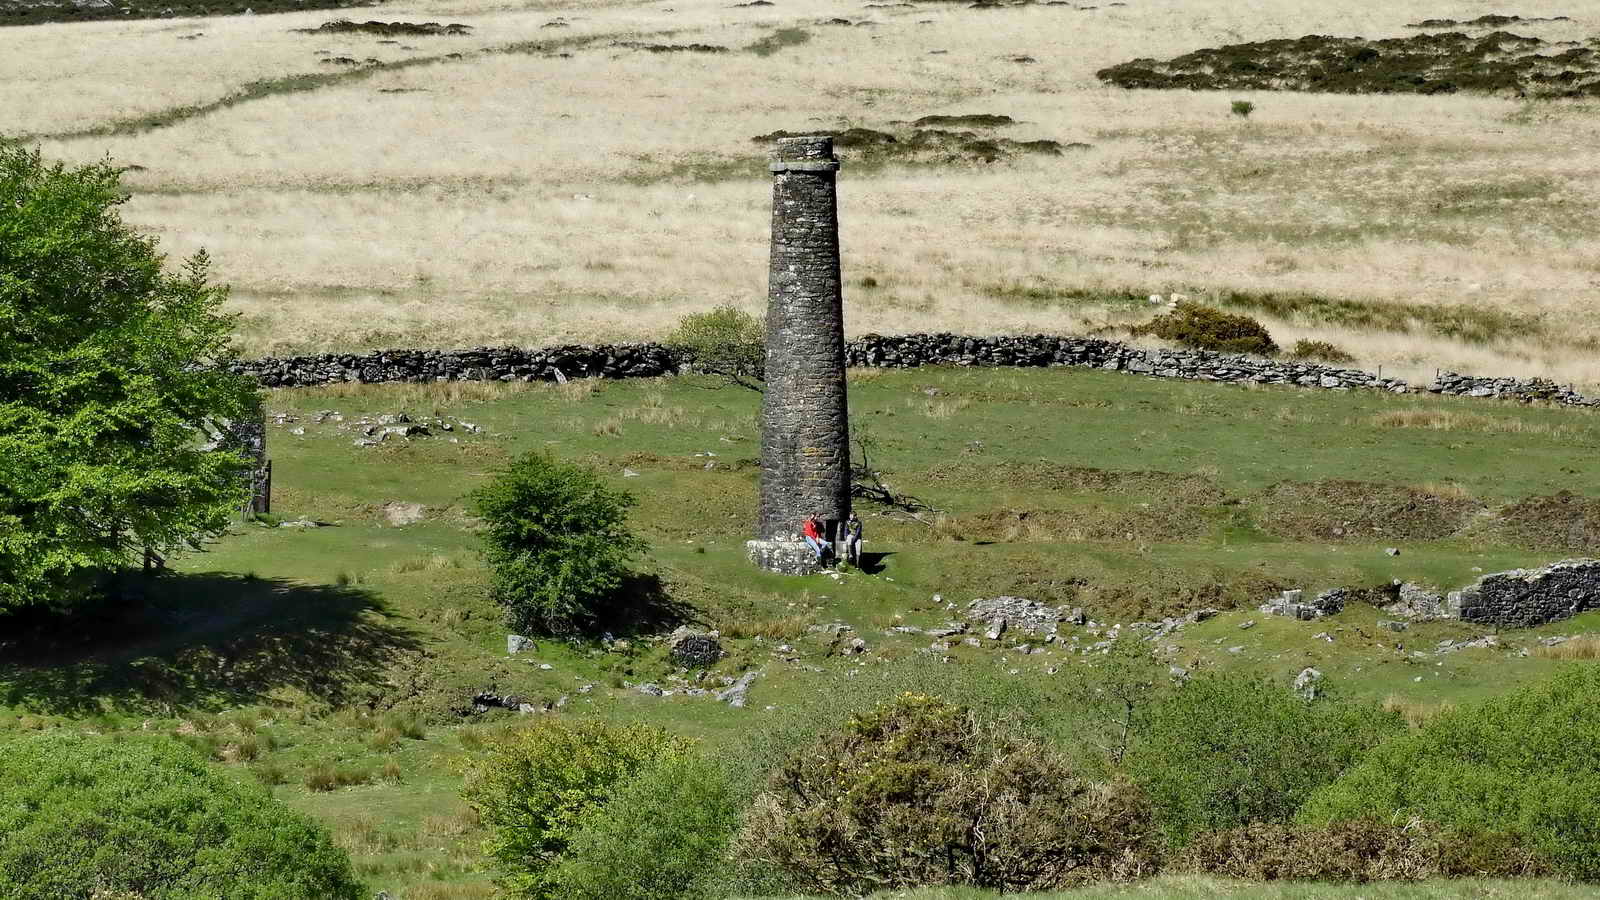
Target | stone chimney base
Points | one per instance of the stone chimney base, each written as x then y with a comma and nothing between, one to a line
784,557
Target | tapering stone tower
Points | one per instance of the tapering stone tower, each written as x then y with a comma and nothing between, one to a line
805,432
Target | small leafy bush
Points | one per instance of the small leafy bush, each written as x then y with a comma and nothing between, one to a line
918,791
1527,763
1228,750
1320,350
557,542
539,787
1358,850
145,816
1208,328
726,341
662,837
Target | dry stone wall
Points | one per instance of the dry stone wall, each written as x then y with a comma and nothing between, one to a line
1524,598
876,351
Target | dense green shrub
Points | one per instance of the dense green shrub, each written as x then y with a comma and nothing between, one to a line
1527,763
661,837
557,542
1207,328
1228,750
1320,350
1357,850
920,792
144,816
725,341
111,367
538,787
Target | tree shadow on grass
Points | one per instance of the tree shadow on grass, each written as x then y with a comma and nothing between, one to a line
643,605
204,641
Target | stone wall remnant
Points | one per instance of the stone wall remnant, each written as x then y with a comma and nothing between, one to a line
249,438
1524,598
805,435
877,351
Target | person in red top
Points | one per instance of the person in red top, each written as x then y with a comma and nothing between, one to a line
812,531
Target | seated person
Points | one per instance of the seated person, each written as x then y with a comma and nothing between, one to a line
812,532
852,540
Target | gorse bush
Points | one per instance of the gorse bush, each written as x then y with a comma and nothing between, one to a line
661,837
1228,750
1207,328
557,542
918,791
1321,351
725,341
1357,850
539,787
145,816
1527,764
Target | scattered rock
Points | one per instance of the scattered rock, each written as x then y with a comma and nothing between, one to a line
734,695
399,514
1015,612
694,649
516,643
1306,683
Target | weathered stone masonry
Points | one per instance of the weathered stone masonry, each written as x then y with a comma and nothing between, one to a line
876,351
805,453
1524,598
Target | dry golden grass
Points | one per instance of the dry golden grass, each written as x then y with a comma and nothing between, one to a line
528,197
1415,712
783,628
1584,646
1453,420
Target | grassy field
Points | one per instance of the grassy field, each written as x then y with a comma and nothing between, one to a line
531,181
338,662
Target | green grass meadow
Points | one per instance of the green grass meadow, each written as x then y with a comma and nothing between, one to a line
338,662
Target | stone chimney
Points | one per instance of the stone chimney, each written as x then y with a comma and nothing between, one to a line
805,431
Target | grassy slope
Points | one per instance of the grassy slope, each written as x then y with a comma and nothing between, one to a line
338,652
1194,888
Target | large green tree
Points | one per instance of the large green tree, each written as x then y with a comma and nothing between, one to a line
112,369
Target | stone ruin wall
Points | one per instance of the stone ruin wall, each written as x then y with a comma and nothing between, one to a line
649,360
1525,598
1519,598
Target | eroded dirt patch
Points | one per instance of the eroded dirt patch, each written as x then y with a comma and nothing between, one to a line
1492,20
671,48
1498,63
387,29
920,144
34,12
1563,521
1340,510
1048,476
